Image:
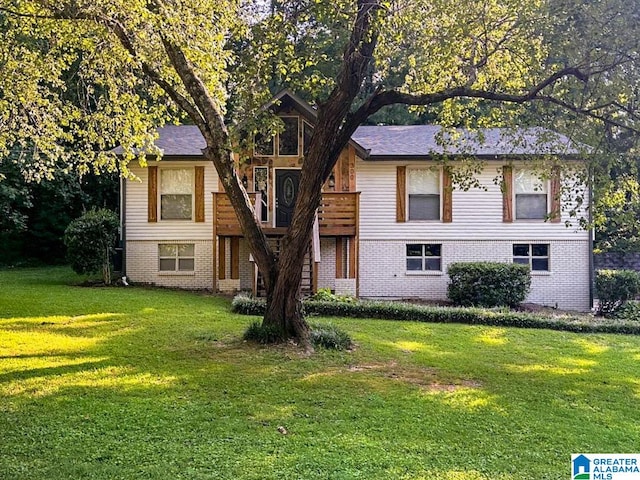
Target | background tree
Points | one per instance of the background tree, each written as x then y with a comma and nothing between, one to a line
195,58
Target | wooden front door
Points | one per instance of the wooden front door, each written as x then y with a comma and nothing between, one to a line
287,183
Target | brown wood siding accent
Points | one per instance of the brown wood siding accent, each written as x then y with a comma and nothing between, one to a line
235,258
222,258
353,255
339,257
555,192
507,194
401,194
199,194
152,201
351,170
447,196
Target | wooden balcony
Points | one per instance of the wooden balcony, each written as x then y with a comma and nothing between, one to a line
337,216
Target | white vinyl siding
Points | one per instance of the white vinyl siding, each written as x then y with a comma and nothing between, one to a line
477,213
137,226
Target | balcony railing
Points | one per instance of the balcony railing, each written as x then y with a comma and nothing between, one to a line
337,215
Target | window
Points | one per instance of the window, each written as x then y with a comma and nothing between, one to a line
531,196
176,194
536,255
261,184
307,133
423,189
176,258
287,140
422,257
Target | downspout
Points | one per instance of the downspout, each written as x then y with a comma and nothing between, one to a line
123,226
592,237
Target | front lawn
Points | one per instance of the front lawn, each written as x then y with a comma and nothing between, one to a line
132,383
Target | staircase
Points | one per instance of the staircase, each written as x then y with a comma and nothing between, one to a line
306,286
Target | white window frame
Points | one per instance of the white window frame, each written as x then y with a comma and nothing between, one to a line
530,257
424,257
191,170
543,185
438,174
176,257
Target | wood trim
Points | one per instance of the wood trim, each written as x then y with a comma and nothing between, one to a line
507,194
235,258
401,194
199,194
222,258
351,170
339,257
447,196
152,195
353,255
216,243
555,191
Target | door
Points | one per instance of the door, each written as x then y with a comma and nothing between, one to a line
287,182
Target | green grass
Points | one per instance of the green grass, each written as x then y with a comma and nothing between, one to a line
132,383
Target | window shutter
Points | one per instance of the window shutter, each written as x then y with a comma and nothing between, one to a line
447,196
199,206
555,192
152,195
401,194
507,194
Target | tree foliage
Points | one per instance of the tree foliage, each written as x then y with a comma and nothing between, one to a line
135,65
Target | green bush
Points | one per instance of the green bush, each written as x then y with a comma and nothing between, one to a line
256,332
488,284
325,295
472,316
614,288
630,311
91,241
329,336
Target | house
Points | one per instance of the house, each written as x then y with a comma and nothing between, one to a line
392,216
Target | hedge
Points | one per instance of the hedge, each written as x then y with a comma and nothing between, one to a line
470,316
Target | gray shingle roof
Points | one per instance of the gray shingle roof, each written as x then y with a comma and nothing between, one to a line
427,140
412,141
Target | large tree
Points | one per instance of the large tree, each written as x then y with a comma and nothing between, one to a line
213,61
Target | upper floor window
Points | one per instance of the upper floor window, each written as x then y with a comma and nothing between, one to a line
176,193
423,190
307,133
287,141
531,196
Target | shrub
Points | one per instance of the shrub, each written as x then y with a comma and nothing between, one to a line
488,284
91,241
471,316
329,336
325,295
615,288
247,305
256,332
630,311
